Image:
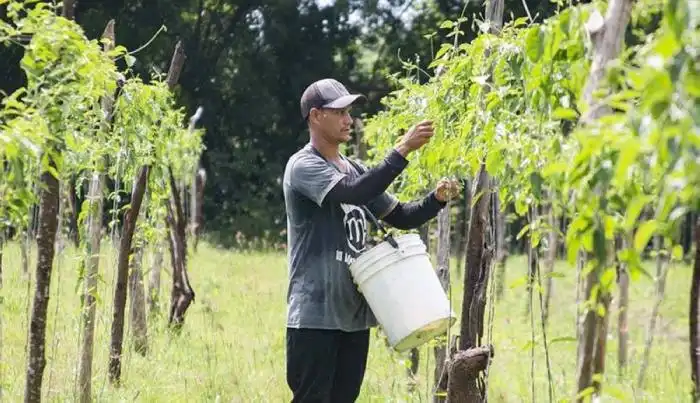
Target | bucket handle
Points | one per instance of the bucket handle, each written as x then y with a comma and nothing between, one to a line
387,235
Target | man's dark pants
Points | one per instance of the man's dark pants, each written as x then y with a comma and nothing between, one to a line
326,365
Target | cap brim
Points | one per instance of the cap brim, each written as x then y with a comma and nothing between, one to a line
345,101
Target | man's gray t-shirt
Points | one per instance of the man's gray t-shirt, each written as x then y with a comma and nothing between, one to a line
323,239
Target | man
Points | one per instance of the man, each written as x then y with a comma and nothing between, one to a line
328,320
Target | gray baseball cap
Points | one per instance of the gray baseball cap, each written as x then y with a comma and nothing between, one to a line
327,93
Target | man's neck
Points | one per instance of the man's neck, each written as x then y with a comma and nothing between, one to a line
329,151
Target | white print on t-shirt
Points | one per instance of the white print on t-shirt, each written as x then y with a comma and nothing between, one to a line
355,224
344,257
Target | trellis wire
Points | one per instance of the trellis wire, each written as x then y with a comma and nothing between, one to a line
58,259
117,185
491,297
544,329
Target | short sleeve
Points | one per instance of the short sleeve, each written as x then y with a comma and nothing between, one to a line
382,205
313,177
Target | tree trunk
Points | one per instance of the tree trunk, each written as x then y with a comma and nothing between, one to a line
88,300
462,226
46,238
2,245
125,252
693,228
360,145
62,202
586,342
694,318
443,272
533,272
580,261
74,212
24,251
662,266
195,185
137,295
2,314
608,39
551,261
197,197
623,305
138,304
464,369
477,265
501,248
181,295
94,234
154,280
414,354
464,380
602,337
532,263
68,9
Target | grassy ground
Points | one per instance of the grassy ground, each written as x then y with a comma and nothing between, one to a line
232,346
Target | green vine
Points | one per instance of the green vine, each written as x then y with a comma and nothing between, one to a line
523,123
58,116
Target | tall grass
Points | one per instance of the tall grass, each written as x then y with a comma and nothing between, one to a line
232,345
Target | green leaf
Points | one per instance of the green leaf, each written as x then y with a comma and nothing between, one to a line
634,209
447,24
599,245
600,309
643,234
443,49
563,339
519,282
677,252
628,154
536,183
564,114
528,345
554,274
523,231
608,277
130,60
572,251
494,161
534,44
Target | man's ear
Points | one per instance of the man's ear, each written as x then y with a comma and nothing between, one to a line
314,115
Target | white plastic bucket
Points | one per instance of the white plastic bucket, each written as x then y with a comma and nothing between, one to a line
404,292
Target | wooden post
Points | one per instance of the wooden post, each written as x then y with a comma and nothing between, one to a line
465,382
462,225
94,236
154,279
501,247
360,145
662,266
607,36
551,259
182,294
694,318
120,289
125,247
443,271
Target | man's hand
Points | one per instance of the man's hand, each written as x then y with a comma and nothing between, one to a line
416,137
447,189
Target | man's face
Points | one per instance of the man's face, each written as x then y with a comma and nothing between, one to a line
334,124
